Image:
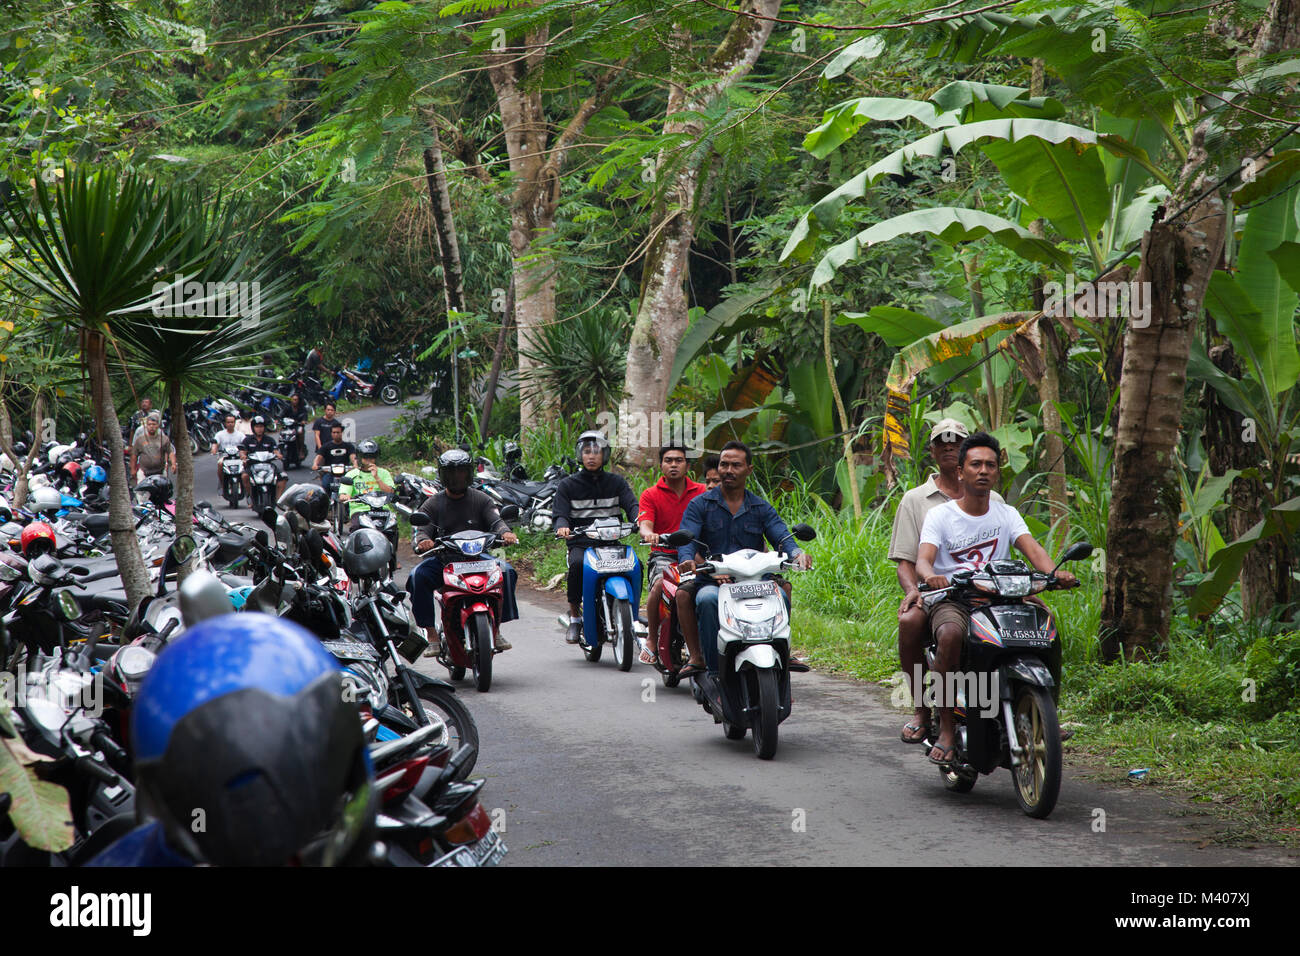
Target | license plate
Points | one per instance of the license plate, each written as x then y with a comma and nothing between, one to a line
761,589
473,567
353,650
488,851
622,564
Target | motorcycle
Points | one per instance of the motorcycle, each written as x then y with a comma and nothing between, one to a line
611,590
291,444
469,603
232,471
1009,656
752,688
262,479
378,516
670,647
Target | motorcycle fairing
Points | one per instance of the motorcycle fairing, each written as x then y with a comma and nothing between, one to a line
594,581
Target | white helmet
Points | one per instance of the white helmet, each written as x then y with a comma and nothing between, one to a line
56,451
46,500
593,439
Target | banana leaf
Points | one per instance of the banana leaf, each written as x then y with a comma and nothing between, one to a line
1225,566
898,327
726,318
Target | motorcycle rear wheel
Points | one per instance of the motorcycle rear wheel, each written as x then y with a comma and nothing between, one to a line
1038,778
390,394
481,628
443,704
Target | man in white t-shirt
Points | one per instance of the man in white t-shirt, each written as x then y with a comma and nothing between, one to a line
229,437
968,533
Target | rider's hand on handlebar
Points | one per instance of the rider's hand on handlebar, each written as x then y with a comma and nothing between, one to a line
563,532
649,537
685,567
1064,579
803,561
509,537
937,581
724,579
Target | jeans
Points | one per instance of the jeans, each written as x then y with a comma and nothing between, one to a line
427,578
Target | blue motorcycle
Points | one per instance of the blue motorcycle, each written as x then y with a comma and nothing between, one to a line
611,590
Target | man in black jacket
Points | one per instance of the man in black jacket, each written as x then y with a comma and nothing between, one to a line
458,508
580,499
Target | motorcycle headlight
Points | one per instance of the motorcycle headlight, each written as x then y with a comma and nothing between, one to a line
1013,585
756,630
494,576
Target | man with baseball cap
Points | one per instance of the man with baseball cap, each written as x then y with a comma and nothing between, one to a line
913,623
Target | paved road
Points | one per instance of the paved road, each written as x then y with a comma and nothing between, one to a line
597,767
370,423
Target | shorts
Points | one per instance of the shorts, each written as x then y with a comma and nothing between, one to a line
658,561
948,612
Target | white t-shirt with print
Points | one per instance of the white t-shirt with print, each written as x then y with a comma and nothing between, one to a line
225,440
969,541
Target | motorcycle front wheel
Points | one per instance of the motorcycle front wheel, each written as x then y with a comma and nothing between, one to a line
442,703
1038,732
624,638
481,628
390,394
764,724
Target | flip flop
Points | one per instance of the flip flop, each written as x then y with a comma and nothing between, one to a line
913,740
646,657
692,670
950,751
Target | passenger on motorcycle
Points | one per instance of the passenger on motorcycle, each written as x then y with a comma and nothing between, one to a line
968,533
458,507
228,439
335,451
364,479
726,520
261,441
662,507
581,498
913,623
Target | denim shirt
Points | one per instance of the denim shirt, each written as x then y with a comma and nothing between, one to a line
709,519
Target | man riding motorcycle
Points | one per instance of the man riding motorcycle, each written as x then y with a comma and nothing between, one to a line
261,441
968,533
662,507
458,507
581,498
228,439
364,479
334,452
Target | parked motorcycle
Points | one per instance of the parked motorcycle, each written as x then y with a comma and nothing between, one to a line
1009,658
752,687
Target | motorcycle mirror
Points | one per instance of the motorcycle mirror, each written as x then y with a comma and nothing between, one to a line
268,516
1075,552
262,538
678,538
68,606
419,519
510,512
803,532
79,569
182,549
203,596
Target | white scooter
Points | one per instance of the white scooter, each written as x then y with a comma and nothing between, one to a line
752,689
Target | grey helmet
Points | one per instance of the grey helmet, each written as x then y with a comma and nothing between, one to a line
366,554
368,449
46,501
594,438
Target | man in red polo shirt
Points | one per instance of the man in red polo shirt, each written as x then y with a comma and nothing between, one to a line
662,507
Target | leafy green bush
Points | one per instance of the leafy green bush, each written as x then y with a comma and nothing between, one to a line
1273,663
1189,683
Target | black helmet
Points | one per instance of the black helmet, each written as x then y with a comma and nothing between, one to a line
368,449
366,553
310,501
454,470
157,488
259,420
593,439
20,448
246,718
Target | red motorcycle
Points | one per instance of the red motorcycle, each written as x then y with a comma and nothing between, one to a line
469,602
670,647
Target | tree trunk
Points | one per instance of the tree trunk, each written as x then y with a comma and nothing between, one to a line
180,438
126,546
19,496
498,354
444,227
1177,259
662,318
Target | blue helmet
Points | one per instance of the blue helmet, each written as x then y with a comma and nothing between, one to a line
247,751
96,475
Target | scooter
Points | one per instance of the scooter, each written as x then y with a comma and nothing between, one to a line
469,602
262,479
232,472
291,445
611,590
1008,659
752,688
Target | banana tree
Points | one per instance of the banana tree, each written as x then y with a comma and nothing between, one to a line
86,255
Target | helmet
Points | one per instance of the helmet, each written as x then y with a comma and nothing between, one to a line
37,539
594,439
454,470
96,475
73,470
20,448
366,553
46,500
310,501
368,449
259,420
157,488
244,715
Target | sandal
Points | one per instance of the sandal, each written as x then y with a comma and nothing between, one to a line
913,740
646,657
692,670
944,761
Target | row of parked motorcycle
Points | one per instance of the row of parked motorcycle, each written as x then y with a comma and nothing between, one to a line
76,656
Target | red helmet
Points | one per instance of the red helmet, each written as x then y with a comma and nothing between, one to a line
73,469
37,539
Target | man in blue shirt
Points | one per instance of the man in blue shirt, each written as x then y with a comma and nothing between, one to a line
729,519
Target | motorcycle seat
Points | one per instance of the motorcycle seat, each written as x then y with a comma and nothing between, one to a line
95,524
529,488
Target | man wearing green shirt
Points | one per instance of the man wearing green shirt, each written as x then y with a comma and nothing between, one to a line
366,478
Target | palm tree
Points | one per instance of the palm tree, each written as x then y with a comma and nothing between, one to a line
87,256
198,342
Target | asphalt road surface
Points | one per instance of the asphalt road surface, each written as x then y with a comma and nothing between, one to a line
596,767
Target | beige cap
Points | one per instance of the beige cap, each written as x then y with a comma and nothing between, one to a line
949,426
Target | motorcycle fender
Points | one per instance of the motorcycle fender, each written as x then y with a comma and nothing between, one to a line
759,655
1028,670
619,588
469,609
424,680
